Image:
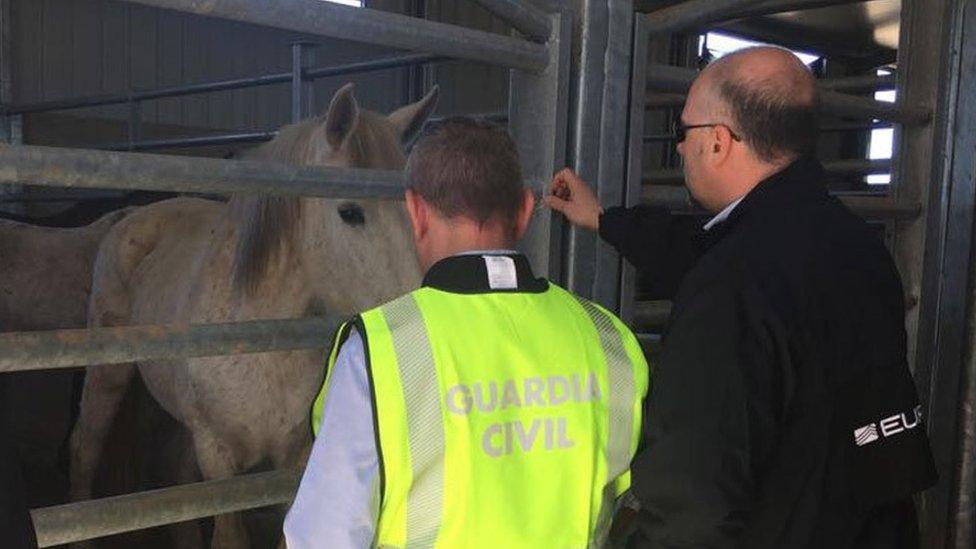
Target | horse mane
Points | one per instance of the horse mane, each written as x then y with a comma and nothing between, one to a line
270,225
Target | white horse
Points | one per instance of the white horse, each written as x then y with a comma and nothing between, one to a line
196,261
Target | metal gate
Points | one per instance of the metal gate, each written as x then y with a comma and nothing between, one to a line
600,130
928,209
539,65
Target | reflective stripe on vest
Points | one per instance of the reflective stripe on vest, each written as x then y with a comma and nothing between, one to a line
504,419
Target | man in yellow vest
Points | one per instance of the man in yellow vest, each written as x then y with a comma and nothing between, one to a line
489,408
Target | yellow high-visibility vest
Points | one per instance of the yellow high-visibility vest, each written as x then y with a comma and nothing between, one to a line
505,419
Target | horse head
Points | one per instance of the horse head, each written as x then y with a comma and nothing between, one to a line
354,253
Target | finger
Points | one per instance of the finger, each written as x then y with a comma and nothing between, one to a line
555,203
556,183
564,176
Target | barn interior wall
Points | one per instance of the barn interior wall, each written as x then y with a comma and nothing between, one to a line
71,48
469,87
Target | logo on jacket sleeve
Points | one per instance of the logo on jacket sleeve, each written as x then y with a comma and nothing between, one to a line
865,435
888,427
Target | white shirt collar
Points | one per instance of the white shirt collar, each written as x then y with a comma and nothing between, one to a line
722,215
487,252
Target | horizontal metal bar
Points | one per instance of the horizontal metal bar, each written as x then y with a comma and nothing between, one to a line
832,128
235,138
526,19
840,104
56,349
371,26
867,82
223,85
76,168
694,13
771,7
671,79
833,167
651,316
662,77
767,7
871,208
200,141
59,196
855,126
374,65
74,522
653,100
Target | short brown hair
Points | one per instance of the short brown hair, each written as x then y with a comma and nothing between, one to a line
467,167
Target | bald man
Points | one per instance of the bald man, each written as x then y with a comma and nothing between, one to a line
782,413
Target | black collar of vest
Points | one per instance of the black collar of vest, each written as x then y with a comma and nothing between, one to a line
467,274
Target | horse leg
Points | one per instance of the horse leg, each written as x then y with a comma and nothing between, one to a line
293,454
216,460
105,386
190,534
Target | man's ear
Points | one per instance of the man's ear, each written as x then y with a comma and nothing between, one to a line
524,214
419,212
721,144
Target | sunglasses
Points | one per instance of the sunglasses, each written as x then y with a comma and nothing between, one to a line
680,130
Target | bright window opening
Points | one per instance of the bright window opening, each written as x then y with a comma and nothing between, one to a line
720,44
880,142
354,3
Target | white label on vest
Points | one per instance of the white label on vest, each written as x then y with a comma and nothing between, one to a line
501,272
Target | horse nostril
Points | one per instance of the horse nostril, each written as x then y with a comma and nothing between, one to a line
352,214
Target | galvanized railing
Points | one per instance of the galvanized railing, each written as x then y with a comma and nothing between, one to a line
110,170
66,168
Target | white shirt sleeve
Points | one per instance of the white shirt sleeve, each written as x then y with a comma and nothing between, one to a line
337,502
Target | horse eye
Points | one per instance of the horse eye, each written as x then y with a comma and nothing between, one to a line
352,214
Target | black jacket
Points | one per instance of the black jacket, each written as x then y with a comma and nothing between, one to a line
16,530
782,413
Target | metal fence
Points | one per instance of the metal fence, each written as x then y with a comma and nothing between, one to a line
537,114
606,138
928,209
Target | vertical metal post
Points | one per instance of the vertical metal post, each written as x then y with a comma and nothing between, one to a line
11,130
579,258
135,123
612,164
418,76
302,99
592,268
635,156
935,164
537,120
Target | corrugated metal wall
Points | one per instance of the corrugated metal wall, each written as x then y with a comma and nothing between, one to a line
469,87
71,48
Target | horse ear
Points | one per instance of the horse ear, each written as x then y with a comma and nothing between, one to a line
342,116
409,120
